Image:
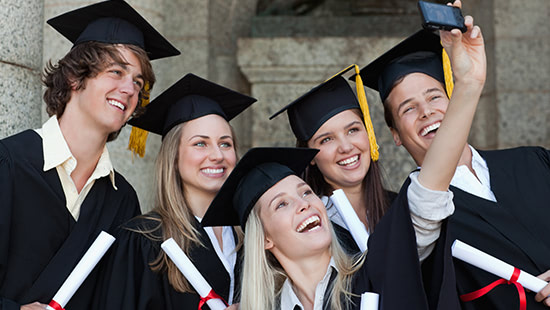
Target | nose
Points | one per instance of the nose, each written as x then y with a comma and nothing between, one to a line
216,154
345,145
127,85
303,205
426,110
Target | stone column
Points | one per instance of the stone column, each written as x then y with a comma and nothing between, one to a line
20,50
522,72
282,69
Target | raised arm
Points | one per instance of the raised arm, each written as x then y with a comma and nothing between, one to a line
467,54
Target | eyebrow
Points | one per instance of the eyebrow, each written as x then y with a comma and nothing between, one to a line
276,196
428,91
199,136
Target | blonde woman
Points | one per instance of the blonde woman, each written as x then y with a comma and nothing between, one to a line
197,154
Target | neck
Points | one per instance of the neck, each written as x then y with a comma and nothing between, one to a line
86,145
357,200
198,201
305,274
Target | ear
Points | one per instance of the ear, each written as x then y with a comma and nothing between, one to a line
396,137
268,244
312,162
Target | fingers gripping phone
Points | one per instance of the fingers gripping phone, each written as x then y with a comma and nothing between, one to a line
439,16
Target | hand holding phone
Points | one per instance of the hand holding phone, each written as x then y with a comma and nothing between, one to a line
438,16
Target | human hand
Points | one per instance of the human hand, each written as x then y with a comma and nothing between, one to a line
34,306
542,295
466,51
233,307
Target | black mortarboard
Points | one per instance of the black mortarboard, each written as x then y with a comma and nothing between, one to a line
189,98
115,22
422,52
258,170
309,112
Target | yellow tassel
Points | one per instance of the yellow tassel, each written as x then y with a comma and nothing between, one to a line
447,72
362,98
138,136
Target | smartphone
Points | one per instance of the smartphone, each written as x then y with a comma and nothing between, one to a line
440,16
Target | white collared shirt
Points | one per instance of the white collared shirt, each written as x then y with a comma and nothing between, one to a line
289,299
228,256
467,181
58,155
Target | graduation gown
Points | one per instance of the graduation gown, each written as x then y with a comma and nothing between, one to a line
131,284
40,241
515,229
392,268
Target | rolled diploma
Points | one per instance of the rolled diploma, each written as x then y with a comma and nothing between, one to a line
369,301
83,269
355,226
191,273
494,265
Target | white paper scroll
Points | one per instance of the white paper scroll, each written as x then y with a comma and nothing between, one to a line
495,266
191,273
369,301
83,269
355,226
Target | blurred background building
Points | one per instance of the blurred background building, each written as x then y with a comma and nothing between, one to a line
276,50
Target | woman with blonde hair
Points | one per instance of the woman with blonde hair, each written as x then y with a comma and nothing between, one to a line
197,154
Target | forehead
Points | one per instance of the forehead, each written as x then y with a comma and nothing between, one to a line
283,186
206,125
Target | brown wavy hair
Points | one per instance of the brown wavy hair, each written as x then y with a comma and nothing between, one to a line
85,61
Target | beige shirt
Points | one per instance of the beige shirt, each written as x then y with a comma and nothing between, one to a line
58,155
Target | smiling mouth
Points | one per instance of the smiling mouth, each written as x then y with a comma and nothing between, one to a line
212,171
348,162
310,224
116,104
431,128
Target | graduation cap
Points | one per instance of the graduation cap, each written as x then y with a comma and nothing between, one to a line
189,98
258,170
309,112
115,22
422,52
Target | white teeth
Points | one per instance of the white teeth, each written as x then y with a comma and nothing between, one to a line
116,104
348,161
212,171
430,128
311,220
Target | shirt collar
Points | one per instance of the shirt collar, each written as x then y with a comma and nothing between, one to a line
57,152
289,300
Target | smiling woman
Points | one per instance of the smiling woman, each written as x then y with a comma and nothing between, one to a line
197,154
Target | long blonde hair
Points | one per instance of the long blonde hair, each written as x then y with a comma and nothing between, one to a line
175,220
264,276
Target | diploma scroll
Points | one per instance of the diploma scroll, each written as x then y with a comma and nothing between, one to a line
81,271
494,265
369,301
192,274
355,226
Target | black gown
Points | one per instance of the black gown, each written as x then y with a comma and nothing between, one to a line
40,241
392,268
515,229
131,284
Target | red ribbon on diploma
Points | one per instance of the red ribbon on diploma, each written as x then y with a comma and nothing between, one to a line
484,290
211,295
55,305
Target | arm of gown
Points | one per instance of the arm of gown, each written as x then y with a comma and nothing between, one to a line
6,167
127,283
392,267
428,209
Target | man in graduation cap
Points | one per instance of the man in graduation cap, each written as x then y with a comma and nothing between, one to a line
501,197
57,184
